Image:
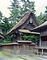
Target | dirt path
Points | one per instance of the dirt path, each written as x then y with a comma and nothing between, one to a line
21,57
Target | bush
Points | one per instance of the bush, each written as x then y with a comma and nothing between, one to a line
32,38
8,39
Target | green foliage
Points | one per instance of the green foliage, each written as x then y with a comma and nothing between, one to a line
17,10
1,16
5,26
31,38
12,36
8,39
28,5
42,17
14,9
46,9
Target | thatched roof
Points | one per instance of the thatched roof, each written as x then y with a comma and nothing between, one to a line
27,31
40,28
18,42
22,21
9,43
1,34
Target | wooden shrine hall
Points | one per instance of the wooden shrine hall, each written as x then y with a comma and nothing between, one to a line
42,29
27,22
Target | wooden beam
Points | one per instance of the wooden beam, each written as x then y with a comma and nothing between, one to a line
42,52
37,51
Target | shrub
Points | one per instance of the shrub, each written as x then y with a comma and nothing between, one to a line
8,39
32,38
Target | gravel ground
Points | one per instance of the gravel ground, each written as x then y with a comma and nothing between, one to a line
22,57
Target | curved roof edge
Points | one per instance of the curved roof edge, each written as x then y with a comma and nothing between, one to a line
38,28
22,21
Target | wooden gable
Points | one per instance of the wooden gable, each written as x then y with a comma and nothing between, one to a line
30,23
27,22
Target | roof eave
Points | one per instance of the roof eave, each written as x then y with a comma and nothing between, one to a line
38,29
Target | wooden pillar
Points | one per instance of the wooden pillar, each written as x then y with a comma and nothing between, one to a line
20,36
14,50
42,52
37,51
40,41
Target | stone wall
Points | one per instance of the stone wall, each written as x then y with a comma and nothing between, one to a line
18,49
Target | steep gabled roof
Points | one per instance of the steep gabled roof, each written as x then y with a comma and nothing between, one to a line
22,21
